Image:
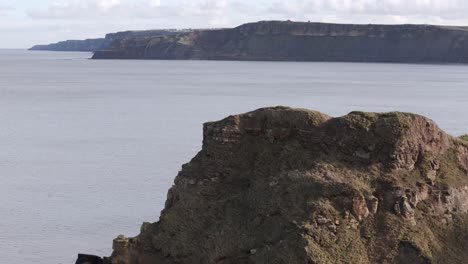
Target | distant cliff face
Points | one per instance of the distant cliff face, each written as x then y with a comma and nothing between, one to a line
88,45
292,41
282,185
92,45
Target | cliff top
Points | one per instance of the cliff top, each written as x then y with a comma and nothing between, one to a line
305,23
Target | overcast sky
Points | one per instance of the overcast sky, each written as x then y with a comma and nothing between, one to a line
27,22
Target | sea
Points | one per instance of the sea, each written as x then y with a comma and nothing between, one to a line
89,148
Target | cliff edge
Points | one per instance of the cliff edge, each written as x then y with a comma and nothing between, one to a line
302,41
283,185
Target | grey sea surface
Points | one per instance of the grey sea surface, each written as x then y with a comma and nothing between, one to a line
89,148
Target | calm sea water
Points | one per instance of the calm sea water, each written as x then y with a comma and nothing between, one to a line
89,148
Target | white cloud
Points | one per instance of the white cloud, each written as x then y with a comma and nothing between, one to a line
227,12
5,8
217,12
181,13
95,9
214,12
416,9
107,4
155,3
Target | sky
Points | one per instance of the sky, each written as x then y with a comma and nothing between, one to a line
24,23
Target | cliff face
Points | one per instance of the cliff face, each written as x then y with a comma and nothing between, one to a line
292,41
92,45
282,185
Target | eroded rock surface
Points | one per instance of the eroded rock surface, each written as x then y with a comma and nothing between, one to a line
282,185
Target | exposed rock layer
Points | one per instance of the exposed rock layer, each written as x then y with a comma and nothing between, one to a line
294,41
282,185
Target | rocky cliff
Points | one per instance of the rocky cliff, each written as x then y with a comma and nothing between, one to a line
282,185
294,41
92,45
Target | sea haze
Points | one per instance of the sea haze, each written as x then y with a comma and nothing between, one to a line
89,148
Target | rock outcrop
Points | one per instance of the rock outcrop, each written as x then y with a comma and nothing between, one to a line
282,185
88,259
297,41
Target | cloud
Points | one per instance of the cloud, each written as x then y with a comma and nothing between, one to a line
155,3
217,11
107,4
139,9
223,13
95,9
5,8
438,9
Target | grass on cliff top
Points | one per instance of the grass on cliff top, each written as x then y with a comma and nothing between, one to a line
382,114
462,140
287,108
394,123
314,117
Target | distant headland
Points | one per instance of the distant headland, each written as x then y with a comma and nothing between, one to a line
284,41
93,45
